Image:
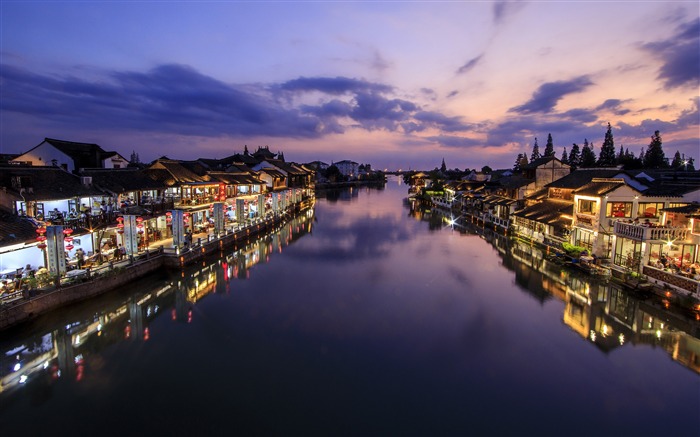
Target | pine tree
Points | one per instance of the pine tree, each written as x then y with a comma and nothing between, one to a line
134,158
564,157
620,155
654,156
549,147
574,157
690,165
443,167
535,151
677,160
516,166
587,155
607,150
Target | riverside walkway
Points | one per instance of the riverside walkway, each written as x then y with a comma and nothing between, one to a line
82,284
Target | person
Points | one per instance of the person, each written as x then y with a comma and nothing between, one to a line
80,256
663,260
121,252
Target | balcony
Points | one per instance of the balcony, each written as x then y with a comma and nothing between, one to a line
648,233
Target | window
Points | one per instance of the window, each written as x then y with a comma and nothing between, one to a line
619,209
650,210
584,239
586,206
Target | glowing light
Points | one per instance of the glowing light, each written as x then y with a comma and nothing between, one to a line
658,333
23,379
17,367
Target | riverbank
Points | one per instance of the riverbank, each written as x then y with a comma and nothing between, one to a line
110,276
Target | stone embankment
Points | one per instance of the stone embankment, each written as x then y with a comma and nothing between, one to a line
38,302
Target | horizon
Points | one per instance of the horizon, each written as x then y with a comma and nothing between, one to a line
473,83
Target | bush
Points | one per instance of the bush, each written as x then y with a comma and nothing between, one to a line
571,250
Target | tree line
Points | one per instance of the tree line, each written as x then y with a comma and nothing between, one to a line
608,156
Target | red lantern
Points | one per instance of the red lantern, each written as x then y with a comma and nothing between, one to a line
139,219
41,238
67,231
41,230
41,246
69,247
68,239
120,219
121,231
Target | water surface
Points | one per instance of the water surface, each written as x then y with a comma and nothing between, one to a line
363,318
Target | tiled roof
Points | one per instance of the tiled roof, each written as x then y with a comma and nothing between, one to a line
548,211
661,188
580,177
598,188
692,209
44,183
514,181
15,230
178,172
85,155
235,178
272,172
123,180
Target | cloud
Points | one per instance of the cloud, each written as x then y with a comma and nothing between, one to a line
177,99
504,9
680,56
333,85
469,65
614,106
442,122
547,95
455,141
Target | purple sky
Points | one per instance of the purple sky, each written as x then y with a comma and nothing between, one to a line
393,84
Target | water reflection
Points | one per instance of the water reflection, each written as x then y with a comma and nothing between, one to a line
40,360
357,319
602,312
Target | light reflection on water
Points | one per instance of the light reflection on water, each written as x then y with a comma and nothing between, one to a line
364,317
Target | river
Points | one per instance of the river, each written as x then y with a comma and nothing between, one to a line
360,317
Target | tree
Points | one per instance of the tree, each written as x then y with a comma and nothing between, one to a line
516,166
443,167
486,169
654,156
575,157
549,147
333,174
564,157
620,155
587,155
134,158
535,151
607,150
629,161
677,160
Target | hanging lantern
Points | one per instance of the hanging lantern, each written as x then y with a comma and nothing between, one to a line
121,231
140,231
140,226
41,230
68,239
67,231
120,219
41,246
139,220
41,238
69,247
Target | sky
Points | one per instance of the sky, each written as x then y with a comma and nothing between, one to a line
394,84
